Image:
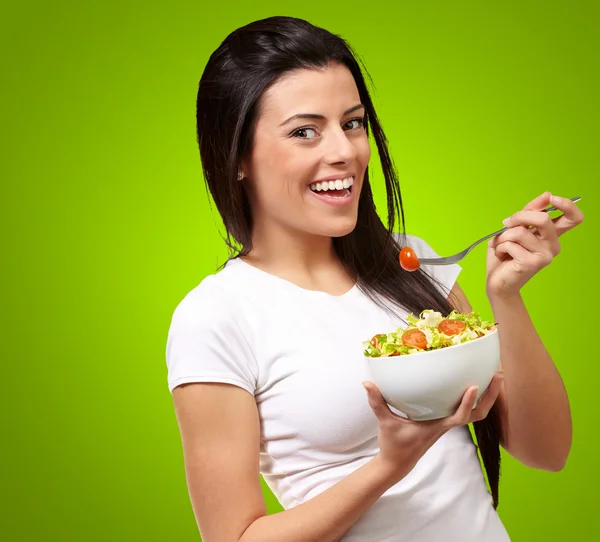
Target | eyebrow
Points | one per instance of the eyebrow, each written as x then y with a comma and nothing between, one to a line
319,117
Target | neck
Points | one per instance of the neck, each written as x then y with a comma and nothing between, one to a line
277,248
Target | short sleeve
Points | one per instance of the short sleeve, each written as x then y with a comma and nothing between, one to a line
208,342
445,276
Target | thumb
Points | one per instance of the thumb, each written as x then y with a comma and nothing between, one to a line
376,400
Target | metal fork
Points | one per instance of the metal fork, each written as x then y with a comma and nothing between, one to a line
449,260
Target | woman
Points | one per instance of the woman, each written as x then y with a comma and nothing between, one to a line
264,357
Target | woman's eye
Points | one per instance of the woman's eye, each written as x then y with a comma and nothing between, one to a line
353,124
305,133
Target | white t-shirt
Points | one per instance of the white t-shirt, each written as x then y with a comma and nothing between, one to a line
299,353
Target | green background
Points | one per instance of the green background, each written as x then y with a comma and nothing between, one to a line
106,226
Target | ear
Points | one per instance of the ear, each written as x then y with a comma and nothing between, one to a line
244,168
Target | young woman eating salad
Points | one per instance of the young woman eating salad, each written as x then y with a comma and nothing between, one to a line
264,356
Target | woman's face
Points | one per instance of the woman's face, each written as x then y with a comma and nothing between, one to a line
310,153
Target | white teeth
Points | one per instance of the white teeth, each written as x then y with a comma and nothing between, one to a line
338,184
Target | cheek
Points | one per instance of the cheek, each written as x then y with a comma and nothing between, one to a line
282,167
364,151
279,171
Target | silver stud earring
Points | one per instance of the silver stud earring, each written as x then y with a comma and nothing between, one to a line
240,175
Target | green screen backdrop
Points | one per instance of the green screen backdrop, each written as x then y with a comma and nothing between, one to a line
106,226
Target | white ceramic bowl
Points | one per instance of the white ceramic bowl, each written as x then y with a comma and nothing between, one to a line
430,385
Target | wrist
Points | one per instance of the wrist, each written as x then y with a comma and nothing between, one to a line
501,300
388,474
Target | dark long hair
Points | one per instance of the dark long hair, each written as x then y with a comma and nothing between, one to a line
246,64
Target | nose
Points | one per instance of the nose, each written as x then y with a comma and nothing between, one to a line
339,149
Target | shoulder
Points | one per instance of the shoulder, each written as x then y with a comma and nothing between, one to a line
208,338
204,299
213,300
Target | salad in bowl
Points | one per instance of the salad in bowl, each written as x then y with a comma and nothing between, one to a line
431,331
424,369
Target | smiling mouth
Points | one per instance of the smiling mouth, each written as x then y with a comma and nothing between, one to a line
339,188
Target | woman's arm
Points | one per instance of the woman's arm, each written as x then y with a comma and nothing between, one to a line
536,407
220,433
329,515
533,404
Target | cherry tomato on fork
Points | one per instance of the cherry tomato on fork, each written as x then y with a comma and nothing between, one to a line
414,337
451,327
408,259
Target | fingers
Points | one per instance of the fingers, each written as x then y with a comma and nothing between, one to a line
535,251
525,227
572,216
377,403
545,228
524,260
540,203
519,234
463,413
488,398
466,413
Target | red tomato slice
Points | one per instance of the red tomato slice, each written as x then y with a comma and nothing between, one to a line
451,327
408,259
414,337
374,341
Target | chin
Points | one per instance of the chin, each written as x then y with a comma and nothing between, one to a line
337,228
